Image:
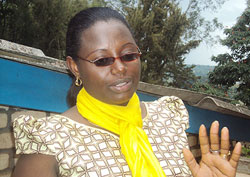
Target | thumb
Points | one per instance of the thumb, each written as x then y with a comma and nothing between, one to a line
191,162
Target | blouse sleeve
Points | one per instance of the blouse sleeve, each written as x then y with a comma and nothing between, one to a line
32,136
178,109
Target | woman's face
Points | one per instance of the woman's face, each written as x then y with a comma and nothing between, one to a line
116,83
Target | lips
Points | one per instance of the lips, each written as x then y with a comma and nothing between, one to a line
121,85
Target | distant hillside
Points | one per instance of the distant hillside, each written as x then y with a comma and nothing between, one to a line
202,71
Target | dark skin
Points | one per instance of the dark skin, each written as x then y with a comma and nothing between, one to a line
214,164
107,39
112,38
36,165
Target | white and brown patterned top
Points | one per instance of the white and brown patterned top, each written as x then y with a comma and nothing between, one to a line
86,151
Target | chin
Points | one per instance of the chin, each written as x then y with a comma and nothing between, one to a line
122,100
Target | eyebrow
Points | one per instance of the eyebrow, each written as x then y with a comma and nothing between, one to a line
124,45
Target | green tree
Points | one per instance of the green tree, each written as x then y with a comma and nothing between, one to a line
210,89
40,23
234,67
15,21
166,33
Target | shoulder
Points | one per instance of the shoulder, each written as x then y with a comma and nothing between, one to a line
72,112
170,102
34,135
30,124
74,115
169,107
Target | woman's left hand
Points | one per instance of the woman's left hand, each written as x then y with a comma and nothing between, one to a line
215,159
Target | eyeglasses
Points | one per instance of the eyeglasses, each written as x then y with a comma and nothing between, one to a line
110,60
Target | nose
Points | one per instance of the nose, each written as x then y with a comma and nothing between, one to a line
118,67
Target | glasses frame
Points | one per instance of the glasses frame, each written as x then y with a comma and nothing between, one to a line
115,58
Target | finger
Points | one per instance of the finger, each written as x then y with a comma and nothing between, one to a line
235,155
204,143
214,136
225,145
191,162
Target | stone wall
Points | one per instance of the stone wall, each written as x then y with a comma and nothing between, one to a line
193,141
8,158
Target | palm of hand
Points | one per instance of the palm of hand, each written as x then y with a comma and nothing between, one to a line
214,164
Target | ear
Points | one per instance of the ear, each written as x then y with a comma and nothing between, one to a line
72,66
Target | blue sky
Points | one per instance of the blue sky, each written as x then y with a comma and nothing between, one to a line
227,15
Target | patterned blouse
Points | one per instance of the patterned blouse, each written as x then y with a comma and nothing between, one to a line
82,150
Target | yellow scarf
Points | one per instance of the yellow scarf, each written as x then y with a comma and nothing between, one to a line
125,121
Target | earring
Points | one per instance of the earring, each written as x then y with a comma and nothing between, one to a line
78,82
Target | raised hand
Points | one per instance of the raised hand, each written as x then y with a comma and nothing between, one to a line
215,160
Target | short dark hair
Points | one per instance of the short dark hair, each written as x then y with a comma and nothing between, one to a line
84,20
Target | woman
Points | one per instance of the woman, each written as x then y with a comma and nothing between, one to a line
109,132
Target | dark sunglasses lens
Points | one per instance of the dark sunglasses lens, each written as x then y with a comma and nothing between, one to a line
129,57
104,61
